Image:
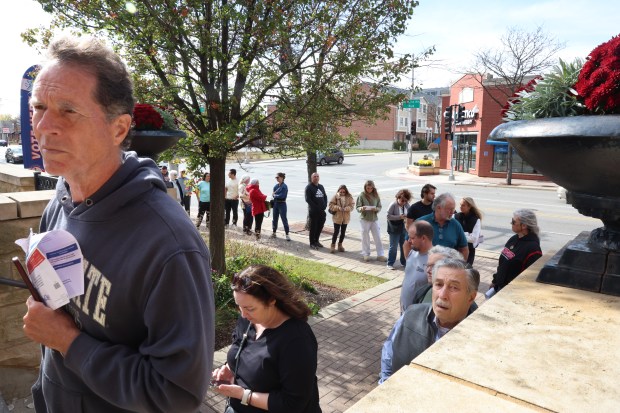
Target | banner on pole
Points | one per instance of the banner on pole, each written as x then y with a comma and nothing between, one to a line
30,146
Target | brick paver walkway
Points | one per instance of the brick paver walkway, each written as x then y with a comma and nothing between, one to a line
350,333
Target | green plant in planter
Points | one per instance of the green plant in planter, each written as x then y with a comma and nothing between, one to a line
552,96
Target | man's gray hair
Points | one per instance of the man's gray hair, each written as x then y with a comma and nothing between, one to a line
473,276
446,252
528,218
442,199
113,89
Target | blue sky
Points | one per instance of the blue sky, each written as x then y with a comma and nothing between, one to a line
456,28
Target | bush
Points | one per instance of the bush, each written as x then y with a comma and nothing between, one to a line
422,144
399,146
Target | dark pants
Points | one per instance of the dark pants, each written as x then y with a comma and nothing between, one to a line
317,221
202,208
279,211
472,253
234,205
187,200
247,217
339,228
258,222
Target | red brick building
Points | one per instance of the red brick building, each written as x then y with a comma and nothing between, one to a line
469,149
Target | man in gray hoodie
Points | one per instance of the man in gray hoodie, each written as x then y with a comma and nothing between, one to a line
141,336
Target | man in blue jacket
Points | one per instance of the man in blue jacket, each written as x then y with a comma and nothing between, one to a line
141,337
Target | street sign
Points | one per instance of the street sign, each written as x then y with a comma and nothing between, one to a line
412,104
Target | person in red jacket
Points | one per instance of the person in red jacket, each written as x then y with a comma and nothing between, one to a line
259,206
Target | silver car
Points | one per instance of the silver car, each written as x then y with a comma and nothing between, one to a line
332,155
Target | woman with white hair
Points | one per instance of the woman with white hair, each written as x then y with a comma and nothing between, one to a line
246,204
521,250
177,187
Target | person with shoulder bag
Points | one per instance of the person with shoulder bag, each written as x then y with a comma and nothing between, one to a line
340,207
396,218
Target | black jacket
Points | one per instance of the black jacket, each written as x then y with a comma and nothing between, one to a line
517,255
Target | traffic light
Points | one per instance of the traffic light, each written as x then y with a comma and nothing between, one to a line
447,120
408,137
413,128
460,117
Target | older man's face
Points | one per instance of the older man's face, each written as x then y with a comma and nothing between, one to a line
451,300
315,178
444,213
72,129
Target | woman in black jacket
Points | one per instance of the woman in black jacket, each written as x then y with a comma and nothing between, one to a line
470,218
521,250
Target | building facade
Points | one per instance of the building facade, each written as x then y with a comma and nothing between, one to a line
470,150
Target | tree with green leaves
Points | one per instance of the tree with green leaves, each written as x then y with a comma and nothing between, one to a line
217,64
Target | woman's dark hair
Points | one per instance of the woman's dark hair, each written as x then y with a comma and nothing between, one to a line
266,283
346,190
204,177
405,193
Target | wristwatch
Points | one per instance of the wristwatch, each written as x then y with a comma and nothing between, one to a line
246,396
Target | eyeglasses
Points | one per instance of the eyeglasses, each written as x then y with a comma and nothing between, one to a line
512,222
429,267
242,283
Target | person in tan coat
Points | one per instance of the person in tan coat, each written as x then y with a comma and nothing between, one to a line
340,207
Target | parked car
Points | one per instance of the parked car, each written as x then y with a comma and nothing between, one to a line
332,155
14,154
3,142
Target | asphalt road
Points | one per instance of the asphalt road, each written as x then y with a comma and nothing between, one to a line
559,222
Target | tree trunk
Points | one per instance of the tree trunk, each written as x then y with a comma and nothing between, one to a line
509,165
217,236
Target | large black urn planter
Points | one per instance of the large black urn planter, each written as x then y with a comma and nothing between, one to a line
582,154
150,143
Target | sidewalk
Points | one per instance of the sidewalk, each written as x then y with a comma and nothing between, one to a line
350,333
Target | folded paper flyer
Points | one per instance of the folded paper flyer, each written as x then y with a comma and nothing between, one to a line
55,266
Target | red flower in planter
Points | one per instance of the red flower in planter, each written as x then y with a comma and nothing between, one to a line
599,80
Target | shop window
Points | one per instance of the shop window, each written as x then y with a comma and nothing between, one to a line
466,95
500,160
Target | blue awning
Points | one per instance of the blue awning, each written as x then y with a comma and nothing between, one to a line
437,141
496,143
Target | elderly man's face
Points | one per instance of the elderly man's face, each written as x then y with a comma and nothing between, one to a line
72,129
444,213
451,300
315,178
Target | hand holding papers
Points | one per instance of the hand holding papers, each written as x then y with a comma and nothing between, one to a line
54,263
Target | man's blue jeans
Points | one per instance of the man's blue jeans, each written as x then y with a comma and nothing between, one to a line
396,243
279,211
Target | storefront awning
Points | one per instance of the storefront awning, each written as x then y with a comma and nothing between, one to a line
496,143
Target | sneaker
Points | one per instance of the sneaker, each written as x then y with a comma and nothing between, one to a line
381,258
314,247
288,238
390,267
366,258
318,244
273,235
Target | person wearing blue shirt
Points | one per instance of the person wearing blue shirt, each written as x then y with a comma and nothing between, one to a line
279,194
447,230
203,193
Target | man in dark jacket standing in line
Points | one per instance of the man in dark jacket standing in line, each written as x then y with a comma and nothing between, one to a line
316,198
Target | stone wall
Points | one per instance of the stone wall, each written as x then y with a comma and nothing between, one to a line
19,357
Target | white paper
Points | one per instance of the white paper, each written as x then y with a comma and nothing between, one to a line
55,266
368,208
